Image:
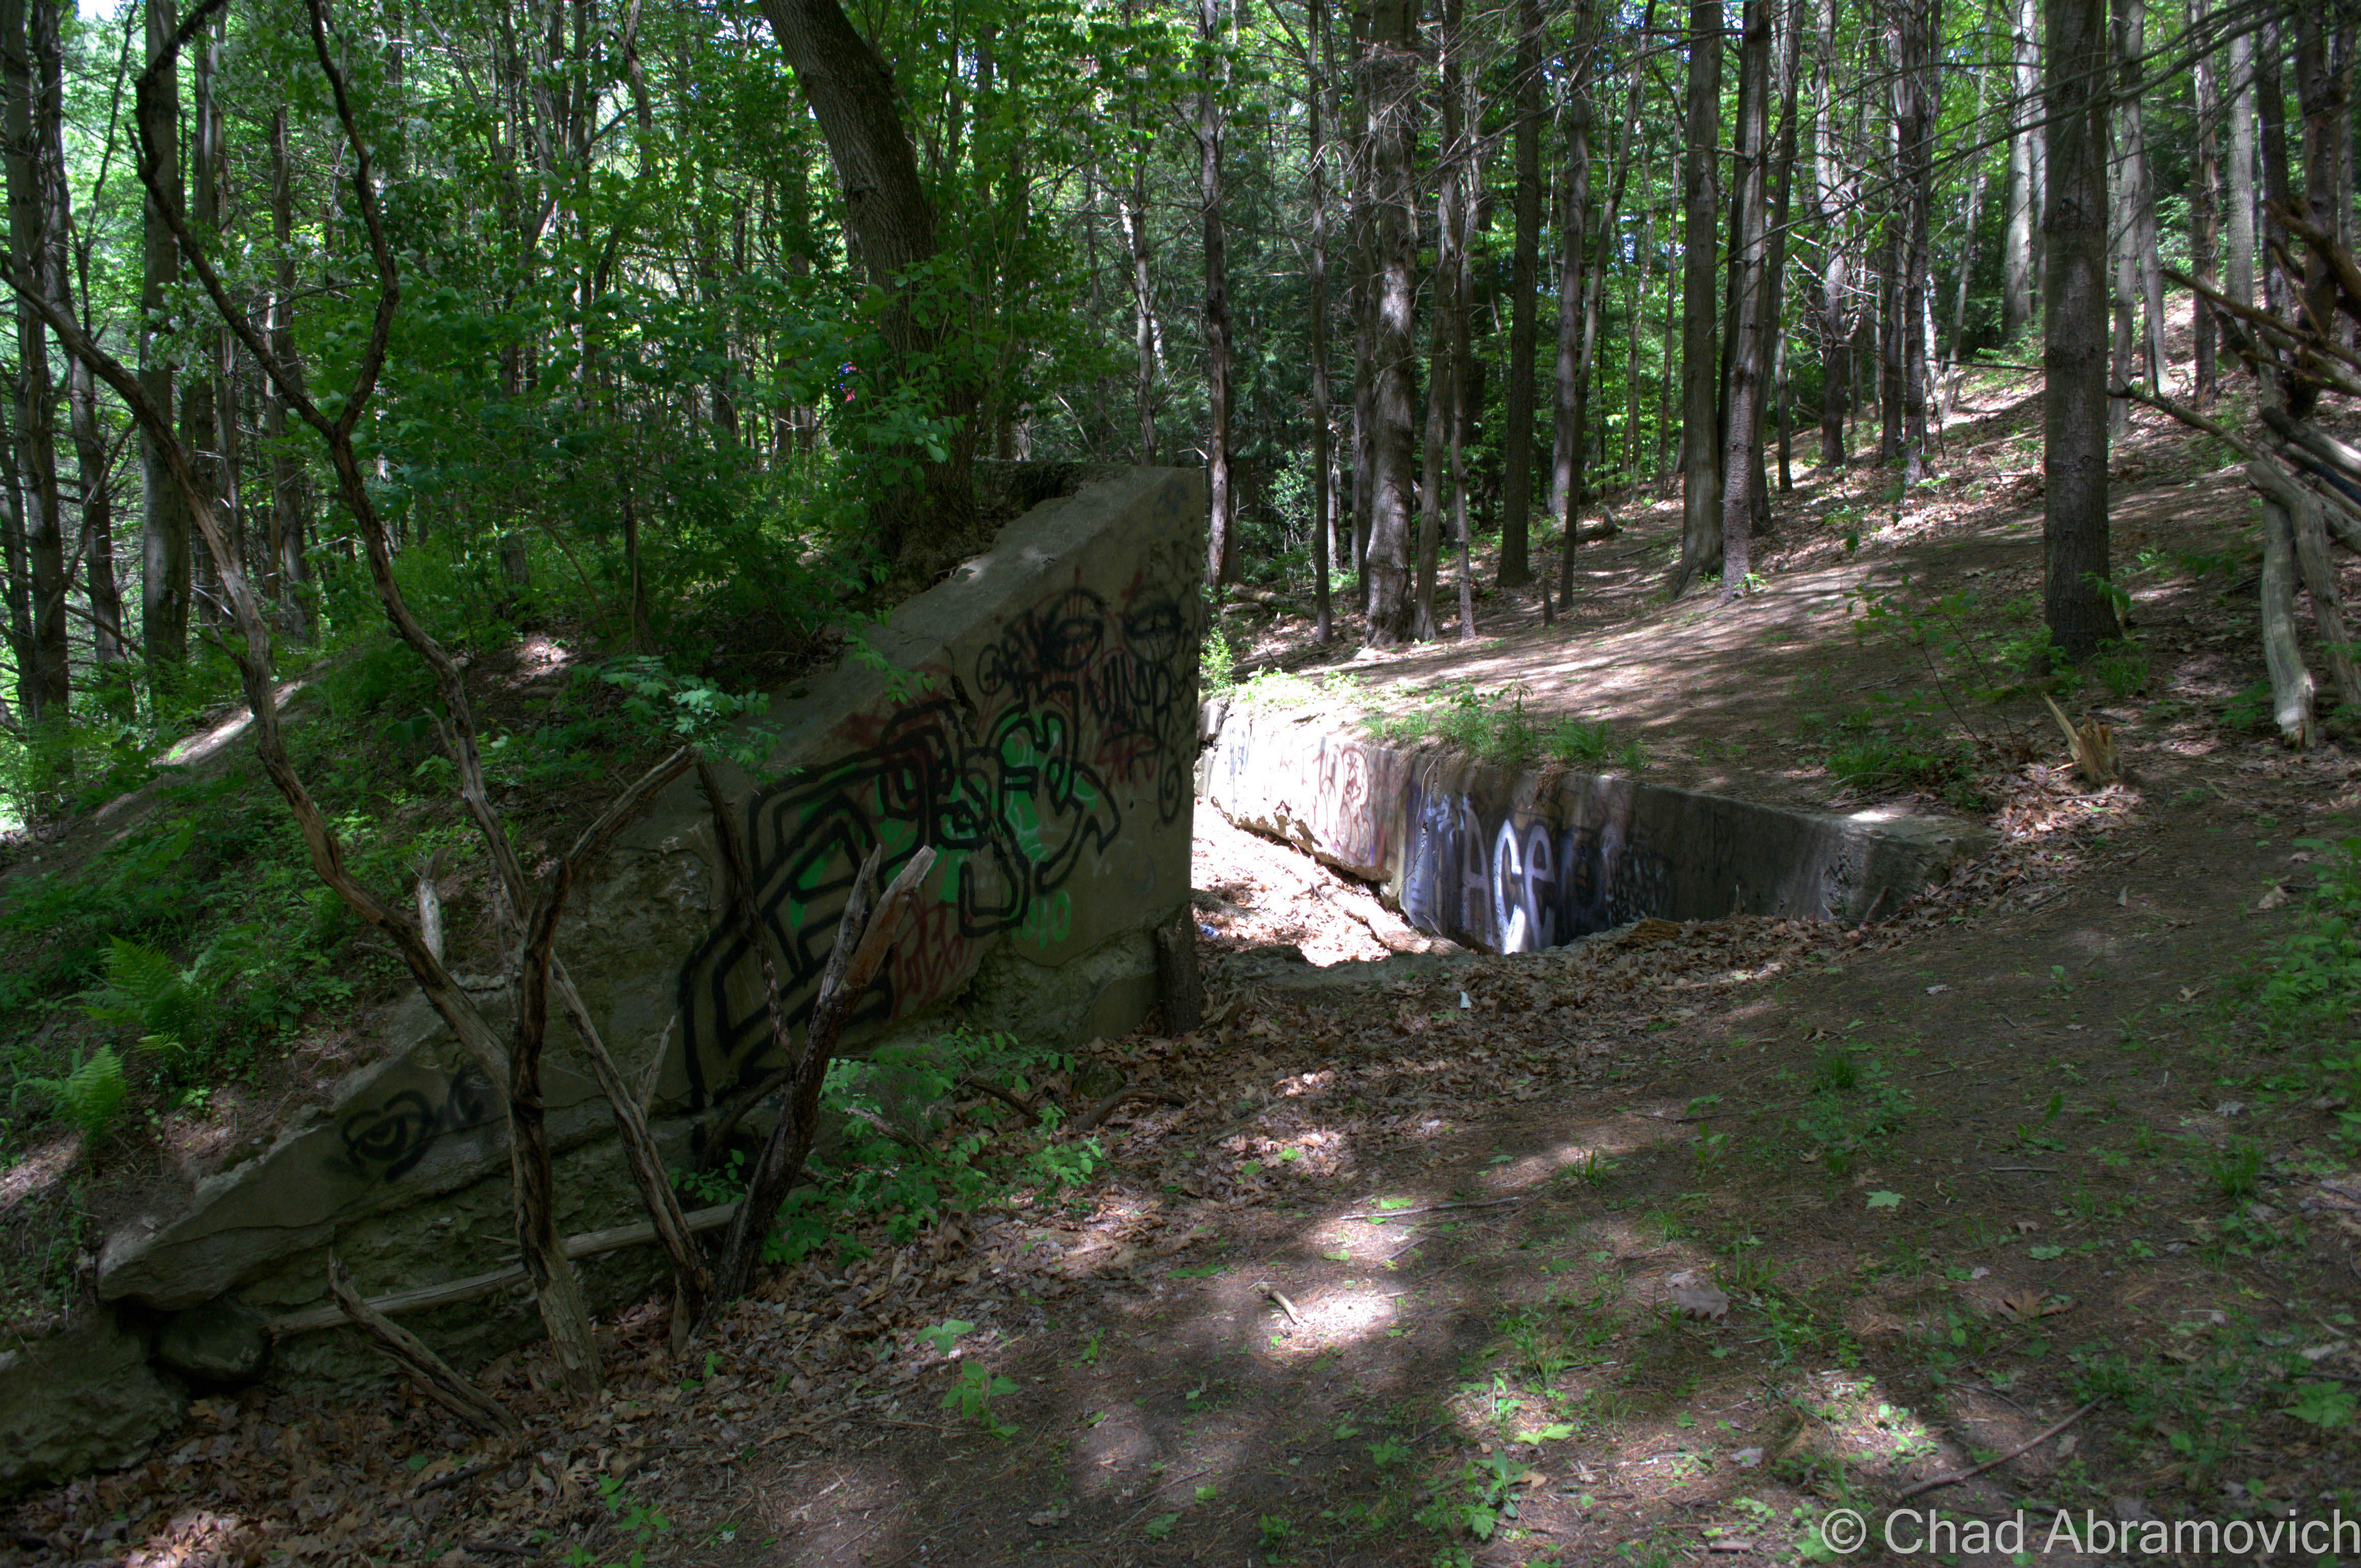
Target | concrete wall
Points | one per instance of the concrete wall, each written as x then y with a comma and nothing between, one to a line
1509,863
1033,718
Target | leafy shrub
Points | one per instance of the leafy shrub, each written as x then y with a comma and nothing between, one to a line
901,1159
1503,732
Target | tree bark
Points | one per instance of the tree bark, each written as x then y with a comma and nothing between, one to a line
2240,282
1743,393
1701,541
29,40
1834,190
290,520
2080,615
1222,546
1390,69
2017,252
1524,325
164,514
1574,260
2204,227
1915,108
1323,498
852,98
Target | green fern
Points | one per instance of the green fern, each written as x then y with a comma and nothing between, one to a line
144,988
88,1096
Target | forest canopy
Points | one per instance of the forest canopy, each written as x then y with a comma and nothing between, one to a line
699,313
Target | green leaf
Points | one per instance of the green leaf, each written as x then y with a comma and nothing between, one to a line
1885,1200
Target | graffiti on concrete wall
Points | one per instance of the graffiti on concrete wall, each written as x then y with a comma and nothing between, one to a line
1078,714
1513,882
385,1141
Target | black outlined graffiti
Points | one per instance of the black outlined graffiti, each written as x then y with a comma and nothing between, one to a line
386,1141
1520,883
1017,779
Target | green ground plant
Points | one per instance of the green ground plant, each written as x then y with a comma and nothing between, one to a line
1496,727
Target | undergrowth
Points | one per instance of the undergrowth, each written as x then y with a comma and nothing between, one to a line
1495,727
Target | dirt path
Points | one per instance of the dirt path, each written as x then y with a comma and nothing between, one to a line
1669,1246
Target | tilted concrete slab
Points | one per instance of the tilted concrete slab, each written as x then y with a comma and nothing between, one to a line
1032,718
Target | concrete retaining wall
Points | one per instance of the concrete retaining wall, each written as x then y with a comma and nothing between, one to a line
1033,718
1509,863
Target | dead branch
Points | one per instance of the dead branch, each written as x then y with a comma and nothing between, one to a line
2093,745
2319,575
1108,1103
863,941
588,1244
432,1374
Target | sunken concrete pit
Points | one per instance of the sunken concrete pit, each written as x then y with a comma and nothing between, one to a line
1036,722
1509,862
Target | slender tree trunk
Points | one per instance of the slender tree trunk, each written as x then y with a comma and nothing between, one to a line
1957,351
1774,312
1524,327
1442,339
1222,545
107,646
1701,541
1916,108
2017,264
2205,225
199,407
29,38
1322,480
1833,193
1143,306
2240,283
1743,396
2278,190
2323,79
290,496
1573,262
2075,606
2144,275
1594,307
1391,69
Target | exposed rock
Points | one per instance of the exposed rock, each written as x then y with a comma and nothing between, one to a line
85,1399
220,1341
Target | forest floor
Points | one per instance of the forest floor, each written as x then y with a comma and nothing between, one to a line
1674,1245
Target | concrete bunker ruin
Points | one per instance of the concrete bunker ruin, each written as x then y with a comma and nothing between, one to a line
1033,718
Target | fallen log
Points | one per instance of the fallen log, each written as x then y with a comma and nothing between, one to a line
2292,687
2309,525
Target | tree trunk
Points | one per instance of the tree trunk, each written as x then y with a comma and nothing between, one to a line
289,510
1524,327
2138,346
2270,104
2205,225
1572,260
1833,193
1324,500
854,99
1743,395
2323,81
2080,615
1957,351
107,647
1701,542
1916,109
164,515
1390,68
1143,304
1594,309
200,424
1222,546
2240,282
29,40
2017,253
1774,310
